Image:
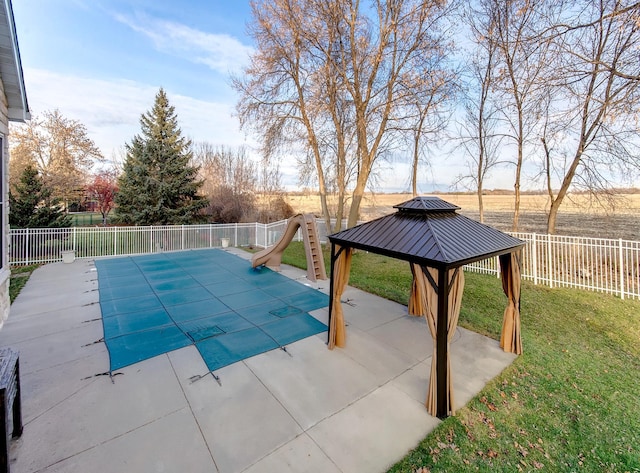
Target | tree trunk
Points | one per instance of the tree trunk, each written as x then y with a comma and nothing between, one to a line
356,201
480,203
516,186
322,188
323,203
564,188
414,171
481,164
416,154
553,216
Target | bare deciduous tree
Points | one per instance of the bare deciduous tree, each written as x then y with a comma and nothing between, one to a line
59,148
335,69
230,180
592,135
273,205
478,134
426,112
523,58
230,167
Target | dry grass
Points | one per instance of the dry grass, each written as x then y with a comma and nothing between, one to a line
579,215
375,205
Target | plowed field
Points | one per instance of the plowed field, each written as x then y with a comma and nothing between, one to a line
578,216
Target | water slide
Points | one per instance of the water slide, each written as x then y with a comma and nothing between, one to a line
271,257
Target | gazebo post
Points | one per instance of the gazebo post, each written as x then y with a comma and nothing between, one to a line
333,264
442,343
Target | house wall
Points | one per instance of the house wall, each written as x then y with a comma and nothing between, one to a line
5,273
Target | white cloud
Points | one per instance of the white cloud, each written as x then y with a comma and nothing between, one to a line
111,110
220,52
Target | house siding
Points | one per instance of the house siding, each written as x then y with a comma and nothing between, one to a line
5,273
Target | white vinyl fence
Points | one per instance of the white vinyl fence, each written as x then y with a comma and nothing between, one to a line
598,264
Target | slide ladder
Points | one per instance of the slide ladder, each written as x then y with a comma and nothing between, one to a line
272,256
315,260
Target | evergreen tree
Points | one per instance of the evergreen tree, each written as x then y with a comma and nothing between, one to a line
159,185
32,205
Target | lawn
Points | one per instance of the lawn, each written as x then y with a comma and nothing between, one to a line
569,403
83,219
19,277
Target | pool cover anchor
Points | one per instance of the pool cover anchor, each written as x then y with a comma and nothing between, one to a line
111,374
284,349
93,343
198,377
217,378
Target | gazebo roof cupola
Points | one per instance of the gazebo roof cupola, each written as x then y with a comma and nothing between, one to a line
426,204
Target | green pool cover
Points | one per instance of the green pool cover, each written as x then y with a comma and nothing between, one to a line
153,304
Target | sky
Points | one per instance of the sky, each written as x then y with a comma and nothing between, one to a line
101,62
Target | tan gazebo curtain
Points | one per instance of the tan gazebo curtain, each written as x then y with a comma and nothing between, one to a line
416,305
341,268
511,340
426,299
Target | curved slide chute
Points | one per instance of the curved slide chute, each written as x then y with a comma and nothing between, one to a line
271,257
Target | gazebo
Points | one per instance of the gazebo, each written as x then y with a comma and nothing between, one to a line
437,242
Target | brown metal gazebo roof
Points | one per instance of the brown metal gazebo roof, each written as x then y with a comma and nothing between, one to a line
428,231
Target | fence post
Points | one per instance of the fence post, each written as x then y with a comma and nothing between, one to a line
115,241
534,257
182,238
621,267
235,235
27,247
549,260
74,239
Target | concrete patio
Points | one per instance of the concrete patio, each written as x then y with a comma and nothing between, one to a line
357,409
